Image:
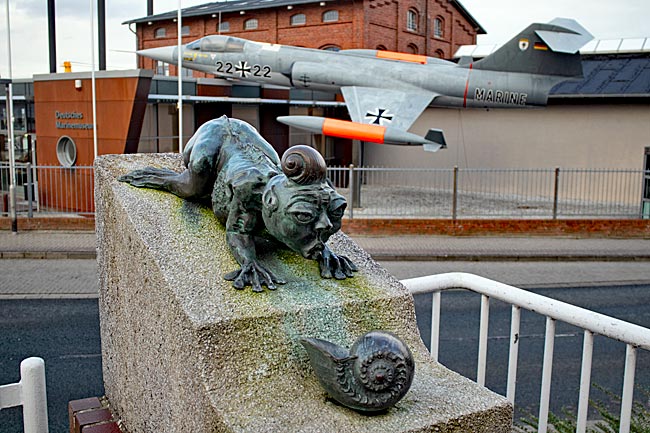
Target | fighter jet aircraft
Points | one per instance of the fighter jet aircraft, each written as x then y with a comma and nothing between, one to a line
385,92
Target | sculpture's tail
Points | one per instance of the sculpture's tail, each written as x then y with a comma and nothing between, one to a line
150,177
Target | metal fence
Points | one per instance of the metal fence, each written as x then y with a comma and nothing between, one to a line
49,190
490,193
394,192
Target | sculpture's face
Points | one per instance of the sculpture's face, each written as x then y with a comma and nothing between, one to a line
303,217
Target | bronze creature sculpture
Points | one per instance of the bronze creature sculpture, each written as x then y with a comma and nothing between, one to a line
252,192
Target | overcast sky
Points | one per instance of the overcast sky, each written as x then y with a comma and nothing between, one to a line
502,19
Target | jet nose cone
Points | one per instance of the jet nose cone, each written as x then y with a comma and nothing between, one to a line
164,54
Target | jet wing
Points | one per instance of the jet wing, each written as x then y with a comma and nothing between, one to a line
394,108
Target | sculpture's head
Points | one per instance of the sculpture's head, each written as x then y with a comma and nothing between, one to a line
300,206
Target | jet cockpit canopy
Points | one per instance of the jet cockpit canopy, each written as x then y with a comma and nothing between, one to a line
217,44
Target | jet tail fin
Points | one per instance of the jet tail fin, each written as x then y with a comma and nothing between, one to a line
544,49
437,139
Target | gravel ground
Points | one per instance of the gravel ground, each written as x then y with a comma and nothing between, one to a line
408,202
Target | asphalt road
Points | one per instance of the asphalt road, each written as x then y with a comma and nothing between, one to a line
65,332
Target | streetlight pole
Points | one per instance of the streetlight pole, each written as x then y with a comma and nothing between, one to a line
10,130
92,76
180,79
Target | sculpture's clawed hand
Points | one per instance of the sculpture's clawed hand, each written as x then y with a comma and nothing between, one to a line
255,275
331,265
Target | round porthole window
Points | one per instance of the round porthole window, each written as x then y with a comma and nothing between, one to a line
66,151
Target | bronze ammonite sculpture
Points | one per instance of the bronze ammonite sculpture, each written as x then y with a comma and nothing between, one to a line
372,376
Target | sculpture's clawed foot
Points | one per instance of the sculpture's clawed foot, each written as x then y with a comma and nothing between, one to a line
255,275
333,266
150,177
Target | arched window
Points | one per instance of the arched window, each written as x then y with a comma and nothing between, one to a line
330,47
381,48
298,19
224,27
438,28
440,54
412,49
330,16
160,32
250,24
185,31
412,20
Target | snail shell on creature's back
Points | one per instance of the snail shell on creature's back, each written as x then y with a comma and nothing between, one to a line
304,165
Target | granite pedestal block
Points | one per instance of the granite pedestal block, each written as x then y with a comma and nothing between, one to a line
183,351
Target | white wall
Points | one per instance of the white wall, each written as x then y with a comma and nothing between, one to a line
576,136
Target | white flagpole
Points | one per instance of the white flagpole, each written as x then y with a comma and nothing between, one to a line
10,130
180,79
92,74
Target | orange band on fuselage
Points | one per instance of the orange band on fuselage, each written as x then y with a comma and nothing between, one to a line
354,131
392,55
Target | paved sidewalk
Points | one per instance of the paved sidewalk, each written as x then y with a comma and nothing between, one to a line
75,244
488,248
47,245
48,279
59,277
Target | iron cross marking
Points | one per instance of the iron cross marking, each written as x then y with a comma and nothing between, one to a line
305,80
380,116
243,69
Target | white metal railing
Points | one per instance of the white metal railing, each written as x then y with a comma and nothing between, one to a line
30,394
592,323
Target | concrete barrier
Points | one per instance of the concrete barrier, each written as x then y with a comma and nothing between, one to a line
184,351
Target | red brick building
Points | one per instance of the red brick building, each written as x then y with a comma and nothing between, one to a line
431,27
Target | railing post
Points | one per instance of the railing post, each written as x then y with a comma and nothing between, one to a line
628,389
483,340
435,325
513,354
30,192
32,379
30,393
454,200
547,372
351,184
556,191
585,381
